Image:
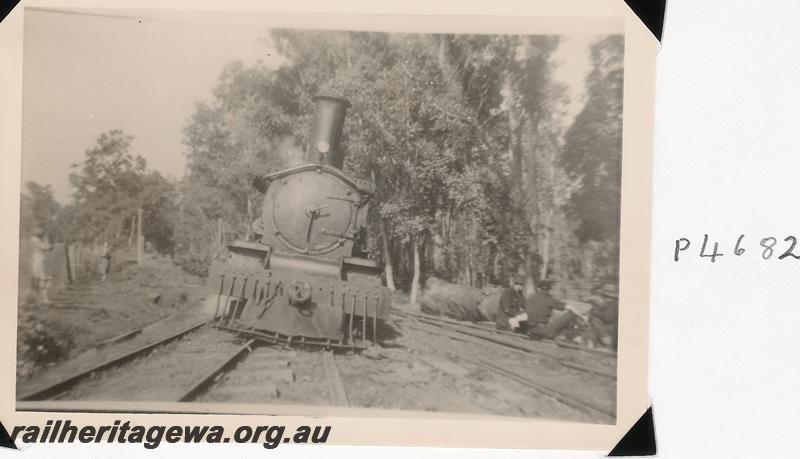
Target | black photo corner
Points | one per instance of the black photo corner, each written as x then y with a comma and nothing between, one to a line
651,12
5,439
5,7
640,439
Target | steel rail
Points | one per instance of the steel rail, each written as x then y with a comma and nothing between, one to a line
338,393
580,405
522,346
527,350
567,399
460,323
205,381
121,337
65,383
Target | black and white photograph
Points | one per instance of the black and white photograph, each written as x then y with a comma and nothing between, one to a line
428,229
231,210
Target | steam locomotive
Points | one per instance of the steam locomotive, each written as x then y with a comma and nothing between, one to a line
307,279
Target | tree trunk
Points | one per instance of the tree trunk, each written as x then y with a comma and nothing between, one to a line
545,256
515,137
139,240
549,249
70,267
388,269
415,279
473,236
133,230
347,50
437,253
249,219
438,237
448,72
469,267
515,153
530,280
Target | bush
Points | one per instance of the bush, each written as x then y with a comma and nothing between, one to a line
39,343
195,264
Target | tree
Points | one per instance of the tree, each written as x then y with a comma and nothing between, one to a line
516,105
593,151
111,184
463,136
38,208
247,130
530,98
404,137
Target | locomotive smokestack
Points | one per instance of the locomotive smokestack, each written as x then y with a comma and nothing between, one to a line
329,113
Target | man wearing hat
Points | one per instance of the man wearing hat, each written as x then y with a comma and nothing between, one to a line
510,306
540,307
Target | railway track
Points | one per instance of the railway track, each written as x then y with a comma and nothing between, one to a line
61,385
197,363
539,361
175,368
203,363
605,361
492,331
515,347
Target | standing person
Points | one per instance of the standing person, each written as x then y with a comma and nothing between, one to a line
540,308
511,305
105,261
41,281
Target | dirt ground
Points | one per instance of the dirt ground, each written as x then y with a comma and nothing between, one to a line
91,311
425,369
424,372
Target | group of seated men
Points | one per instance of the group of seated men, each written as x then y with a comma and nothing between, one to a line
531,315
590,321
535,315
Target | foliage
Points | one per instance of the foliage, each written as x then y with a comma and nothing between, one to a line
38,209
39,343
593,145
111,184
194,263
480,173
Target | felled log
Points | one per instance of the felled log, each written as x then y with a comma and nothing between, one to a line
490,305
460,302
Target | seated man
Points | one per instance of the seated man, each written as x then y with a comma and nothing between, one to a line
540,308
510,306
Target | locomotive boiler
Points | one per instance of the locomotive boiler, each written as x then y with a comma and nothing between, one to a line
306,280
